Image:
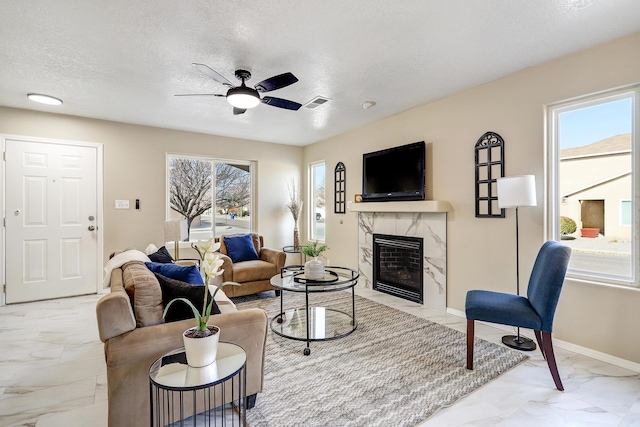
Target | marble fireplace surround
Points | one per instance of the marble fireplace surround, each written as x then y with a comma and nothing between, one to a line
426,219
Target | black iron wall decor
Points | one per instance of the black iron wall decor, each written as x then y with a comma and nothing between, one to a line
489,167
340,188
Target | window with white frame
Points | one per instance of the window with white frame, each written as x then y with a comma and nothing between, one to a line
593,176
625,213
317,209
215,196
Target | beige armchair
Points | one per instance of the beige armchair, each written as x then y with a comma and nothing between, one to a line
254,276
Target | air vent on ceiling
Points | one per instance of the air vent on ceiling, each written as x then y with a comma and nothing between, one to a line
316,102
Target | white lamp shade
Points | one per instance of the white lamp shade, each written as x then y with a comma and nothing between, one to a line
175,230
516,191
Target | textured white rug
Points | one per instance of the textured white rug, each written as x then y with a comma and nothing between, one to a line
394,370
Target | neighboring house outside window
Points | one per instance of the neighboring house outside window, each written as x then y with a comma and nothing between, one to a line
317,205
592,171
215,196
593,179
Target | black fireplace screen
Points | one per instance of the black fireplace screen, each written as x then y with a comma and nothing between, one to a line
397,266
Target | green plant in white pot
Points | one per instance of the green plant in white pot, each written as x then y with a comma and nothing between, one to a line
314,268
201,341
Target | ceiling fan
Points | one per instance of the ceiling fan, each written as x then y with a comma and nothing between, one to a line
242,97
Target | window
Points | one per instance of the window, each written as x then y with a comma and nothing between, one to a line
625,213
214,204
317,212
593,178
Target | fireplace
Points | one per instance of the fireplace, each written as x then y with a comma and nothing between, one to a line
397,266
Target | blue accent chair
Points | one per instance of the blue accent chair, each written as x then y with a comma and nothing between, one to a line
535,312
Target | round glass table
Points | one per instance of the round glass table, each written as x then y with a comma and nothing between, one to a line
314,323
184,395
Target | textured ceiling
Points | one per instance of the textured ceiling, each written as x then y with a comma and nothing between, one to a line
124,60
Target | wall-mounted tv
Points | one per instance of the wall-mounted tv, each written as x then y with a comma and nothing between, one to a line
394,174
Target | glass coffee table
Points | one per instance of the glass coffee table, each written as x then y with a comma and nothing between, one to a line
312,323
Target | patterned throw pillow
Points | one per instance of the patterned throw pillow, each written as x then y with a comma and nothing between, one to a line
145,293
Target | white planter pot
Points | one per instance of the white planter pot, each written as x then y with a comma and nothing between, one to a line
314,269
201,351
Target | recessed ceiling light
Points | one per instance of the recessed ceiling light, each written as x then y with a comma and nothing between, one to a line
368,104
44,99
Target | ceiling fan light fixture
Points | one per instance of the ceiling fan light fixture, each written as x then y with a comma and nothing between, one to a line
44,99
243,97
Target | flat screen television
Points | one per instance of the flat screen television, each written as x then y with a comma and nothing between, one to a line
394,174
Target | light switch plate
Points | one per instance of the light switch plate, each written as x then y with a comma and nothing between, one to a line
122,204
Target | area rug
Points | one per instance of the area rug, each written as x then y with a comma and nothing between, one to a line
394,369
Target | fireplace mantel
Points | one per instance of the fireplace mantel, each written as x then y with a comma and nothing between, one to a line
434,206
424,219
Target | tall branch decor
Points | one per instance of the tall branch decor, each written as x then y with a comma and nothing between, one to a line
295,207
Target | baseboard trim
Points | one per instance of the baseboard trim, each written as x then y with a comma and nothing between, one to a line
584,351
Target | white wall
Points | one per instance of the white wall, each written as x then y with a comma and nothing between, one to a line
481,252
134,168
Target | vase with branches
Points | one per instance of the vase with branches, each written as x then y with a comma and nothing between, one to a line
295,207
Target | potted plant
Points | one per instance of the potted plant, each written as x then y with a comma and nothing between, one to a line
314,268
591,233
201,341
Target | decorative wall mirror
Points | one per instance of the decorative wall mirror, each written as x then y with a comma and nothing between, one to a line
340,173
489,152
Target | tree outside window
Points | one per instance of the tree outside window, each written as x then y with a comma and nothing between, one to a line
191,190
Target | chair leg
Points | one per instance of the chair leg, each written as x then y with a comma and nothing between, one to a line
540,346
551,359
470,332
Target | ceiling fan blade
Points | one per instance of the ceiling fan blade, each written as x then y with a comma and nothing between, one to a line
281,103
213,74
237,111
276,82
199,94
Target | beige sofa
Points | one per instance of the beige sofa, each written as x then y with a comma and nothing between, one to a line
131,348
254,276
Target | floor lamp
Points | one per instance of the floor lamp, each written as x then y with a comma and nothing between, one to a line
515,192
176,231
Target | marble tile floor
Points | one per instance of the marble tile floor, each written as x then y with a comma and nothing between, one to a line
596,393
52,374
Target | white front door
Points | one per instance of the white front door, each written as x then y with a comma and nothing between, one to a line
51,209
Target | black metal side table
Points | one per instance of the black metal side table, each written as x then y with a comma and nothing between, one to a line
293,250
214,395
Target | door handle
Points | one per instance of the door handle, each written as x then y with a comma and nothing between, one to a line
91,228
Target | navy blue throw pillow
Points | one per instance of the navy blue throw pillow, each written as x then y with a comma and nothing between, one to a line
240,248
172,289
162,255
189,274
